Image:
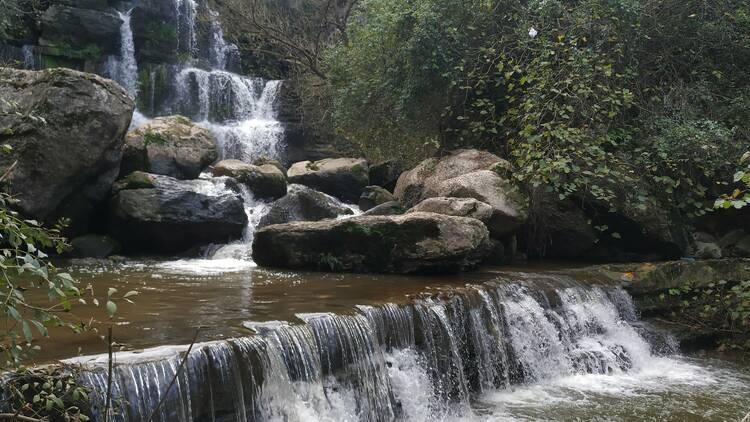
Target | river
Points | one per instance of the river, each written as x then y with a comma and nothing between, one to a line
528,343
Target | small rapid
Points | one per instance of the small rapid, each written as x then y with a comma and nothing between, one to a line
498,351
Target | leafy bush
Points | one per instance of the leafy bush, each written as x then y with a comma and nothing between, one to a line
611,100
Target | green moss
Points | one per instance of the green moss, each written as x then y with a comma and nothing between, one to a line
135,180
152,137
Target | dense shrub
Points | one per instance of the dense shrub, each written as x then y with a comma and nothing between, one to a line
607,99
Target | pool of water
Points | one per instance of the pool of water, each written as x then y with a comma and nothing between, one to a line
225,297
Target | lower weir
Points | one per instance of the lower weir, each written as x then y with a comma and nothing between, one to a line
425,359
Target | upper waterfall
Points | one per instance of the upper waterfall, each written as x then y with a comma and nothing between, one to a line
125,68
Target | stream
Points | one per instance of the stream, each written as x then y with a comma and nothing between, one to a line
528,343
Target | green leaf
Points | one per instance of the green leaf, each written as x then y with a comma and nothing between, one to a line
27,331
111,308
14,313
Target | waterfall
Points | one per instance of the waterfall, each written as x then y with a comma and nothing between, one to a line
240,111
187,11
428,359
124,69
29,60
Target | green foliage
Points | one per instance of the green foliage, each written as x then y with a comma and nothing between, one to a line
152,137
52,393
741,195
722,307
330,263
615,101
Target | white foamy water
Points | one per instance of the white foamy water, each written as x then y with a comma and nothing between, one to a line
124,69
419,362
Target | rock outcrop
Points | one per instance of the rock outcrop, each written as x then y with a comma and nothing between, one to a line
170,146
160,214
66,129
343,178
264,181
303,204
424,180
467,174
559,229
372,196
412,243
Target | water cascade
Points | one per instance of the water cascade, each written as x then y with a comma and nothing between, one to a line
124,69
240,111
29,60
429,359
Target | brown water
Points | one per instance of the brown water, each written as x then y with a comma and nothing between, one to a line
178,297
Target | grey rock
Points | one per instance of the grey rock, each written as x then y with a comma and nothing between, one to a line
171,146
265,181
66,164
303,204
95,246
387,208
343,178
373,196
411,243
175,215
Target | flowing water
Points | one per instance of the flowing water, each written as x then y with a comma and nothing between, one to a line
487,346
124,69
240,111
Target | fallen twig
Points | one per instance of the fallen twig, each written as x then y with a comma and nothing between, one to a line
21,418
176,374
110,368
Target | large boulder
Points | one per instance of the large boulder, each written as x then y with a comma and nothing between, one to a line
64,25
509,206
411,243
467,174
65,163
171,146
423,181
372,196
459,207
154,213
343,178
303,204
265,181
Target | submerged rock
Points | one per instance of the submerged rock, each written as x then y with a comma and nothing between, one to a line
175,215
412,243
171,146
65,163
265,181
303,204
372,196
343,178
95,246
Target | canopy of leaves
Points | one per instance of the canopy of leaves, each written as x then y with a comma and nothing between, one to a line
611,100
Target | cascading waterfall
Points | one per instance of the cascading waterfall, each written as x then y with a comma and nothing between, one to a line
29,60
429,359
240,111
124,69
